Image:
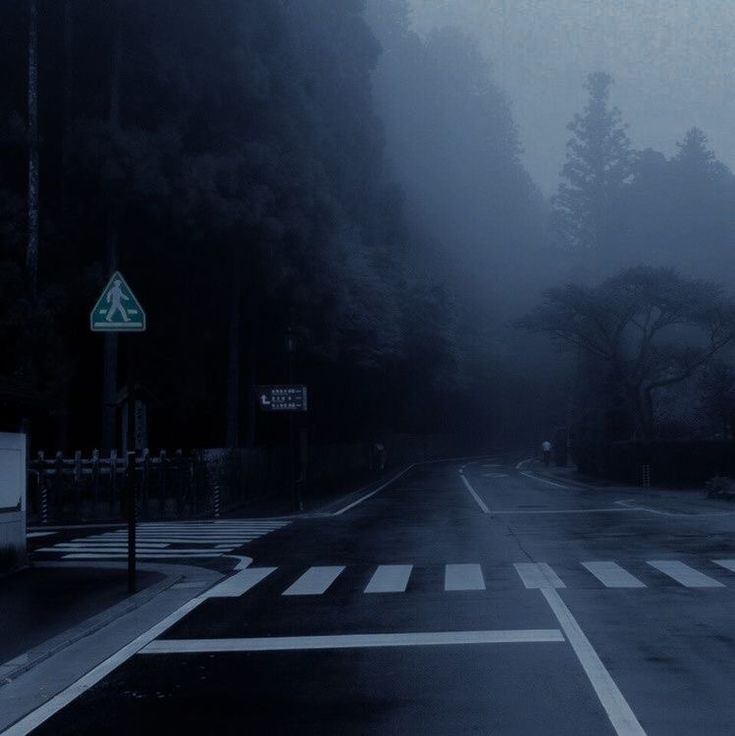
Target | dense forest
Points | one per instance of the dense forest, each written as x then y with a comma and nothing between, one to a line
309,192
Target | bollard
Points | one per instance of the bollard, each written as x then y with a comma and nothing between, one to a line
216,500
44,488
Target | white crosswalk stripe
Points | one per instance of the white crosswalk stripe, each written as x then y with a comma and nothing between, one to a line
168,540
463,577
319,579
687,576
389,579
611,575
538,575
315,581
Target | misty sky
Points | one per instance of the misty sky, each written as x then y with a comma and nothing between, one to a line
673,61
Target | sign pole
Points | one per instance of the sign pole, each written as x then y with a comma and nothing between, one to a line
291,399
118,310
132,572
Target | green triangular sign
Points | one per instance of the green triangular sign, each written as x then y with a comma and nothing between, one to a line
117,309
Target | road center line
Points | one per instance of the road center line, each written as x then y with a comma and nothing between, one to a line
618,711
350,641
480,502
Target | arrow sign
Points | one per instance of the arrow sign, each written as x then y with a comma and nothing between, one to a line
117,309
283,398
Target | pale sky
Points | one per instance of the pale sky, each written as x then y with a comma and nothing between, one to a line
673,62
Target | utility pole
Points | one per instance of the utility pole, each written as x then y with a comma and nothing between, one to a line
290,350
114,216
33,175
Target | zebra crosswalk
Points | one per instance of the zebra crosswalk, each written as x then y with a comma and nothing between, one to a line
319,580
167,540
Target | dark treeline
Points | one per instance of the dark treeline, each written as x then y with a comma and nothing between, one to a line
317,173
231,163
648,311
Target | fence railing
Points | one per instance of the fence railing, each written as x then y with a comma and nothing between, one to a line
92,488
203,484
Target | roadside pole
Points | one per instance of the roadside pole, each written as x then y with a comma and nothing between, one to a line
292,399
132,486
117,310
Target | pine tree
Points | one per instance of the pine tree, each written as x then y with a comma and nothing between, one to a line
599,164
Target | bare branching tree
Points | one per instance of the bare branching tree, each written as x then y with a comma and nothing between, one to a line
651,327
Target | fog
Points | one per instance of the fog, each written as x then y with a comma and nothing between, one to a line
432,201
672,63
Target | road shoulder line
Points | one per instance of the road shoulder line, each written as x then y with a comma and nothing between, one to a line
372,493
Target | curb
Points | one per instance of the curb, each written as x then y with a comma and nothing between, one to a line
21,664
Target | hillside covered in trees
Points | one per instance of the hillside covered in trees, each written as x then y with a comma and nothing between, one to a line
233,166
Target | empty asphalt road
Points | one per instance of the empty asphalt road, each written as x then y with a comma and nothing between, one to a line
462,598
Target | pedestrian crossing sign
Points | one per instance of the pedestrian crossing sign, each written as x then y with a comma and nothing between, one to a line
117,309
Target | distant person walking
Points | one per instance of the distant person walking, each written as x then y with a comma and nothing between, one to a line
546,448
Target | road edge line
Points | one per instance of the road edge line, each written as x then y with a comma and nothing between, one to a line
372,493
621,715
69,694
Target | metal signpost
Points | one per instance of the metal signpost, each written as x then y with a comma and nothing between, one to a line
290,398
117,310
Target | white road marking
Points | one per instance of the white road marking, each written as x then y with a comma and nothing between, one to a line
194,539
463,577
618,711
389,579
611,575
563,511
142,555
687,576
648,510
544,480
211,524
77,545
727,564
171,540
350,641
141,550
538,575
315,580
240,583
33,535
35,718
480,502
372,493
494,475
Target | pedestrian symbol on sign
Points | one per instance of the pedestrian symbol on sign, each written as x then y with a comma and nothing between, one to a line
117,309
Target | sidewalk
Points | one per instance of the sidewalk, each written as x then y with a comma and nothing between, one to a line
570,475
58,622
657,499
42,603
